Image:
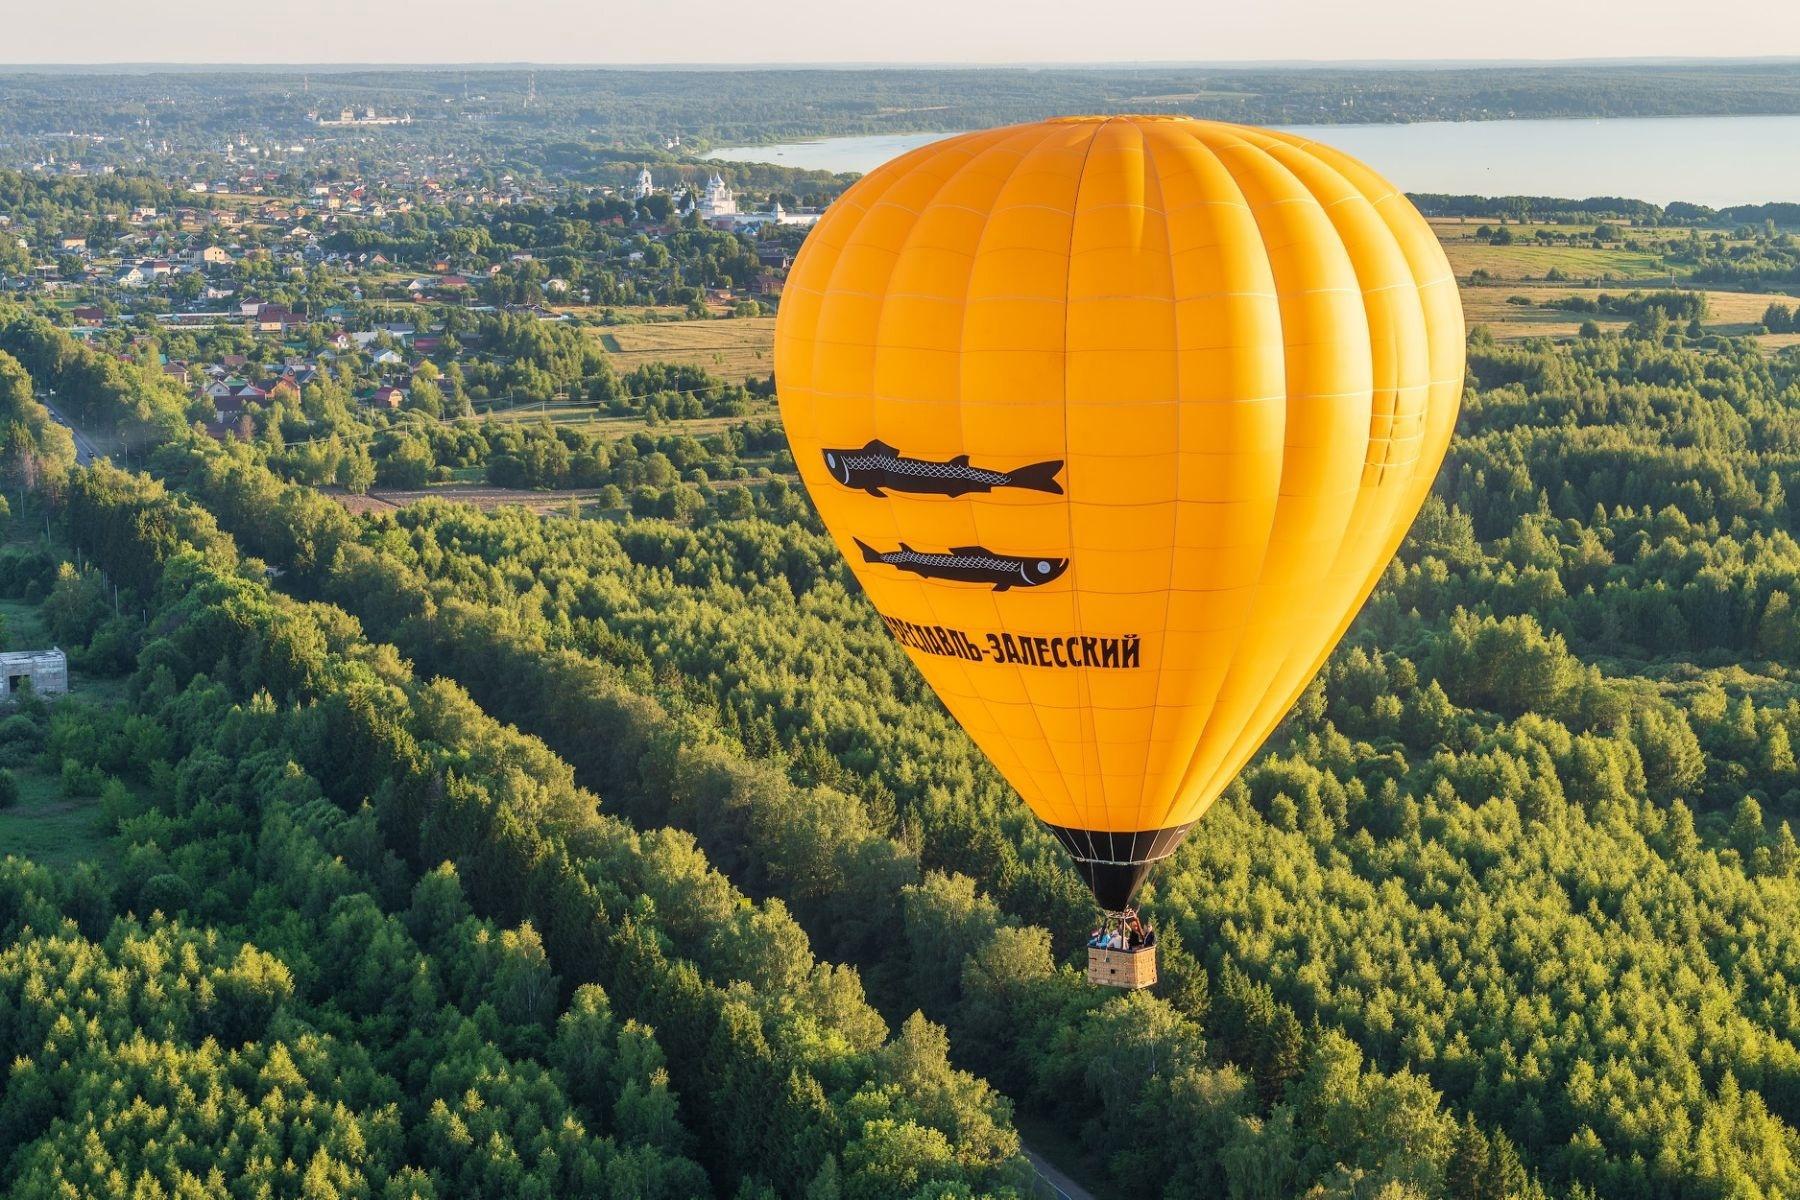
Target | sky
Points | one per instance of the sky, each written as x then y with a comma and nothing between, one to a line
619,32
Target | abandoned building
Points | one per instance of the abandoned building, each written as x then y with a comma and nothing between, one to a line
46,670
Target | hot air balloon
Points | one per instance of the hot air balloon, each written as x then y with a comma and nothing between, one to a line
1117,421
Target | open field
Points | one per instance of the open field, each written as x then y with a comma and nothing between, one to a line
479,494
1528,260
487,497
1468,228
560,501
24,627
1727,312
733,349
1508,322
49,828
593,418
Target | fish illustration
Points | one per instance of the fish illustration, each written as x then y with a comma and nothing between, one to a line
970,564
878,465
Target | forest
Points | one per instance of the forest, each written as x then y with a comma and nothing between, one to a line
1507,908
354,937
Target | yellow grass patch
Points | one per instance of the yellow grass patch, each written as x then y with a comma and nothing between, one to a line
735,349
1727,312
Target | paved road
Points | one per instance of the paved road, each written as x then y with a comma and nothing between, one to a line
85,450
1057,1183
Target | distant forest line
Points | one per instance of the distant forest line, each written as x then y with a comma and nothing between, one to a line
631,107
1590,208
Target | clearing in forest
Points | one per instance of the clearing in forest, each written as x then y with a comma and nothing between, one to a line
735,349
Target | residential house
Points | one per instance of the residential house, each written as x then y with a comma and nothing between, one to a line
219,393
272,318
229,396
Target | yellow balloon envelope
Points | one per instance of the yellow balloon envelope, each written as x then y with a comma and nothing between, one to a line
1118,420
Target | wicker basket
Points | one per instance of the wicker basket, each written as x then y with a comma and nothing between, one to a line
1131,969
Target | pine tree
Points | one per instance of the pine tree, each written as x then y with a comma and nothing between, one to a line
1747,826
1775,631
1679,838
1778,752
1784,857
1507,1177
1466,1174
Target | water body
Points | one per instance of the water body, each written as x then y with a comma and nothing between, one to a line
1717,161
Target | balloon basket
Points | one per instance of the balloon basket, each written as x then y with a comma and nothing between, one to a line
1122,953
1128,969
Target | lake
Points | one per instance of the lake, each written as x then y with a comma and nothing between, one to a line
1716,161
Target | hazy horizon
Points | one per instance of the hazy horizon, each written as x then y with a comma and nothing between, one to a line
148,66
921,33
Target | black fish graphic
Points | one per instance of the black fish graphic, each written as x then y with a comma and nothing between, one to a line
878,465
970,564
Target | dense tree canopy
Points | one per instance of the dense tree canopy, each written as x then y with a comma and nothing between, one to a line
1506,908
1466,852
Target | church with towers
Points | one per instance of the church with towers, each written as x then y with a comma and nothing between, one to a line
717,200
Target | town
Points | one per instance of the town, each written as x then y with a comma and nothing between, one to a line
311,311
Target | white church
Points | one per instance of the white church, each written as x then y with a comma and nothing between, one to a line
717,205
717,200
